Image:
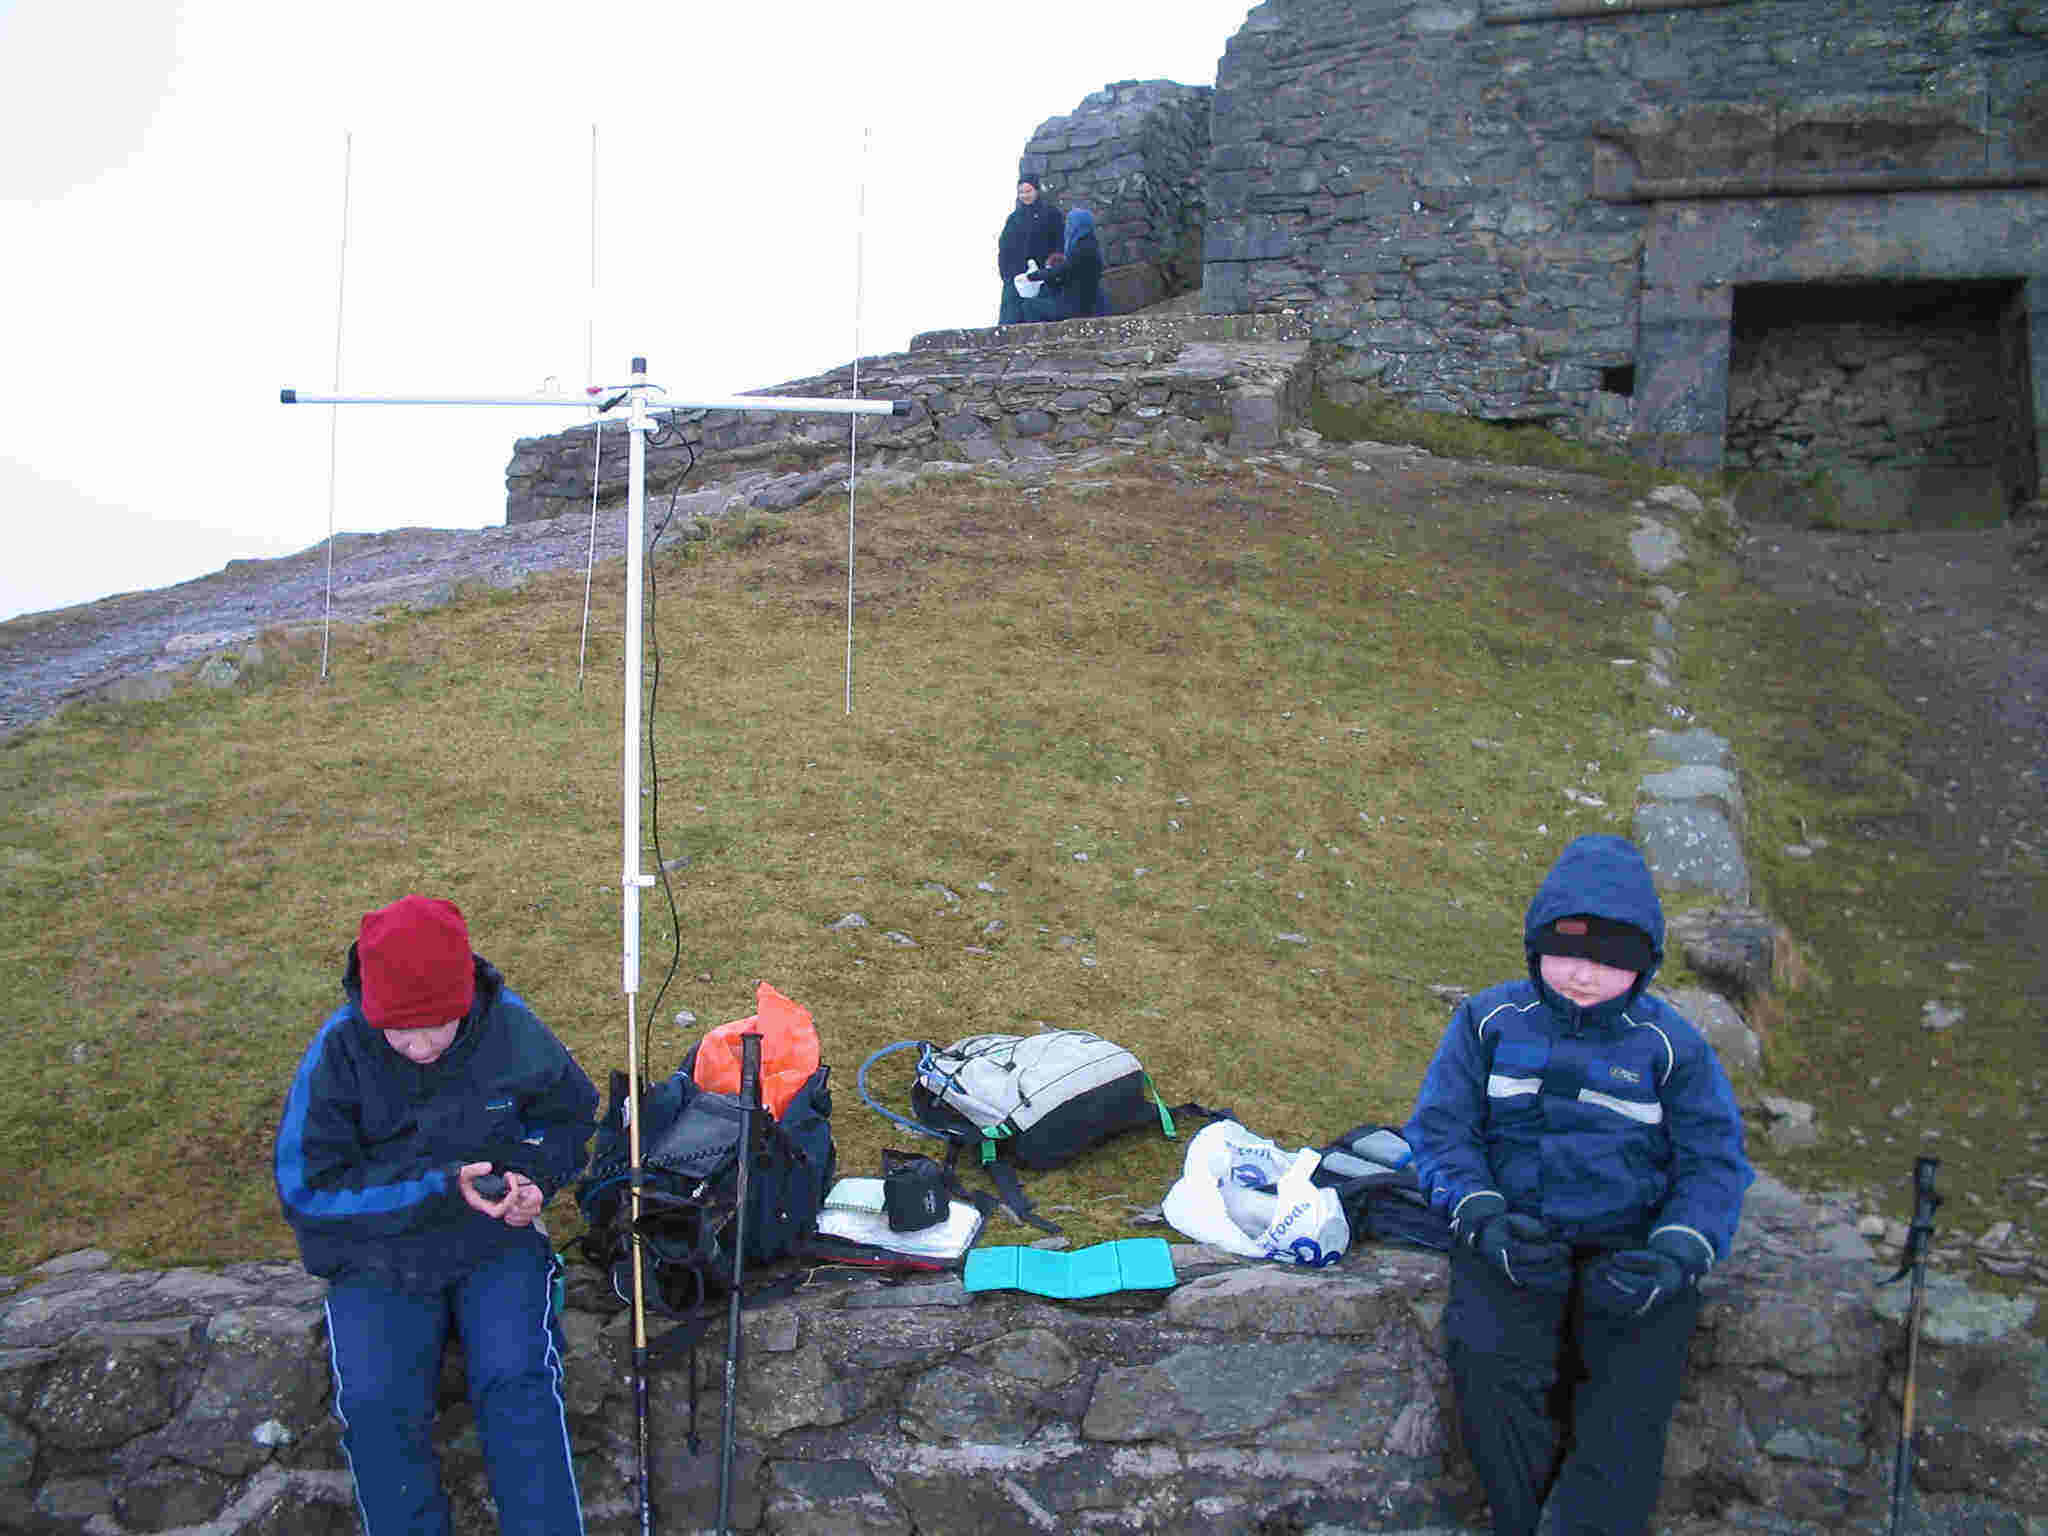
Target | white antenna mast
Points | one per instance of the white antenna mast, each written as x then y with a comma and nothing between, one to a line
639,422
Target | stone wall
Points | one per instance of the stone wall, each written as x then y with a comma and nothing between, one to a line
1250,1398
1543,210
1132,155
1901,393
1014,392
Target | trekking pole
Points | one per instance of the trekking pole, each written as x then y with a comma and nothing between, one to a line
1914,1262
750,1104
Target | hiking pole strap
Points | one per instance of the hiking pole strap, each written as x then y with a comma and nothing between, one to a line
1009,1193
1004,1177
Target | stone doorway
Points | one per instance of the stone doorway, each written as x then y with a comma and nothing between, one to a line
1882,404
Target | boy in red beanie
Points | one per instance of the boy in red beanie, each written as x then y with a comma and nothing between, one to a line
431,1075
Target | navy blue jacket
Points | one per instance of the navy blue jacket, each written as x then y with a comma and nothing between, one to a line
1608,1123
369,1142
1029,234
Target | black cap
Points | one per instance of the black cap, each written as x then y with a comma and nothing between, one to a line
1032,177
1587,937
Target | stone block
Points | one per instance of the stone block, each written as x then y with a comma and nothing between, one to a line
1319,1393
1696,784
1716,1019
113,1382
1737,949
265,1384
1691,848
826,1498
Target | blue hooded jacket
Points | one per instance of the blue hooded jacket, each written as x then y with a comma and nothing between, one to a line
1075,286
1607,1123
369,1140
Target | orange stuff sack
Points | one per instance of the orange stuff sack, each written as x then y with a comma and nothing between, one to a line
789,1050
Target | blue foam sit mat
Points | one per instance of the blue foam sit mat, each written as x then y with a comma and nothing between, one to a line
1129,1264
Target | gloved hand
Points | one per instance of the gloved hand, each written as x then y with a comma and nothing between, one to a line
1635,1281
1521,1247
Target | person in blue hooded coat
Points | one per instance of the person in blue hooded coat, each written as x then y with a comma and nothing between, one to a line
430,1075
1585,1143
1073,287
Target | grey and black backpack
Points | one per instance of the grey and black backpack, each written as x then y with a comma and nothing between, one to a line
1036,1101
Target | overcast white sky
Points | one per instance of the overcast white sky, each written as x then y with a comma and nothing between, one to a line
171,200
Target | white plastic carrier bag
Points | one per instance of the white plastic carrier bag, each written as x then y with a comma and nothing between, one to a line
1029,281
1239,1192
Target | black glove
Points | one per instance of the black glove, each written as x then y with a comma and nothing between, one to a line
1521,1247
1636,1281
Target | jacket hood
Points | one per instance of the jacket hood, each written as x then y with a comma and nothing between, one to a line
1605,877
1080,222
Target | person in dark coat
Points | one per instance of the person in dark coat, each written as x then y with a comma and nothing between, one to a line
1073,286
1032,232
1585,1143
430,1075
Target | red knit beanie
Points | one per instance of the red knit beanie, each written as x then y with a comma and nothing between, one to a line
416,966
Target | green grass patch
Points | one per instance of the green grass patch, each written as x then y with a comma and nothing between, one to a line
1149,738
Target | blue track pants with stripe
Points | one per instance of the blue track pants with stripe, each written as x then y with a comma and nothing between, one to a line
386,1347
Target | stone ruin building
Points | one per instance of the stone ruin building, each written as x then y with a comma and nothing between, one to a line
1801,241
1805,238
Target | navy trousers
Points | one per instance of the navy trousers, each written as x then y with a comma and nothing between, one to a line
1560,1406
386,1349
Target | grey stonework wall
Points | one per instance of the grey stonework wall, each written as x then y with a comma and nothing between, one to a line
1009,392
1497,209
1906,392
1253,1397
1132,154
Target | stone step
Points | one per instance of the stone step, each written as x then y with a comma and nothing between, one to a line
1008,392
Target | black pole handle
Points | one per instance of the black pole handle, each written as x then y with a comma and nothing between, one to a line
1925,1203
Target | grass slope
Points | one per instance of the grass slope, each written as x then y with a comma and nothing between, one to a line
1228,765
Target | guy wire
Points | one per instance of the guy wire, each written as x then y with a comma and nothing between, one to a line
597,433
334,411
853,422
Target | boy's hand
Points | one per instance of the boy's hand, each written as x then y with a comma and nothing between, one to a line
516,1207
1520,1247
1634,1282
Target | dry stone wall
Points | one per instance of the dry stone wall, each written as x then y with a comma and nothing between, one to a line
1252,1397
1004,393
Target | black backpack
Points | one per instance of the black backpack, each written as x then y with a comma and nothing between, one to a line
1369,1168
690,1157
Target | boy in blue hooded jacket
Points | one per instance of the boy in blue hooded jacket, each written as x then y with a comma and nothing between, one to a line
432,1074
1584,1141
